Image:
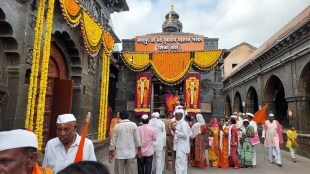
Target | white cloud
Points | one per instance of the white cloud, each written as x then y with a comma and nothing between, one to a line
232,21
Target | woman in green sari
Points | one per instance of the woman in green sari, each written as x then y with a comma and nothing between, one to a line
247,150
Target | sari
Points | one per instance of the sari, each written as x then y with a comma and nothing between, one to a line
170,100
213,143
247,149
114,122
233,157
199,143
224,148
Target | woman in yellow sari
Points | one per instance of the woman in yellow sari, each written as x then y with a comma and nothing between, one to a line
114,122
213,143
291,141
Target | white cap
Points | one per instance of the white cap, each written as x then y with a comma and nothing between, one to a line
179,111
144,117
246,120
243,113
65,118
155,114
235,113
17,138
249,114
233,116
271,115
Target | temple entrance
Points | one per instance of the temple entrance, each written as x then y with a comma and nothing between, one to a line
276,94
159,93
237,103
252,102
59,93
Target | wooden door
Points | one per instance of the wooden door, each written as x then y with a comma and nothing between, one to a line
61,103
56,71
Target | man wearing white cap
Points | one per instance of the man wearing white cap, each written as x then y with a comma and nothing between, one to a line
159,126
18,153
147,136
255,139
61,151
272,132
181,144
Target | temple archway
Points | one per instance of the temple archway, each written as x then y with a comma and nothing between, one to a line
238,103
251,101
275,93
304,98
228,111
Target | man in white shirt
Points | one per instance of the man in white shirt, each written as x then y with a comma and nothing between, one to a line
182,133
160,129
61,151
125,145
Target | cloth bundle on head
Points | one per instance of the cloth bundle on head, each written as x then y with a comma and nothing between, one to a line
271,115
250,115
144,117
155,115
65,118
200,119
17,139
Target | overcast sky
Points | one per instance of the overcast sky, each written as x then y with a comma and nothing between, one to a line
232,21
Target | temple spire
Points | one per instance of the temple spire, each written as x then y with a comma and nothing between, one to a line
172,7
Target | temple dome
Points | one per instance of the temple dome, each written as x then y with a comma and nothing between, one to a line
172,22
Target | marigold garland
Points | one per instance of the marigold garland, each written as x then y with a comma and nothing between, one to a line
44,73
137,61
104,90
32,91
72,10
205,60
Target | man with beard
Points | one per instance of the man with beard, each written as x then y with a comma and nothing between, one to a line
61,151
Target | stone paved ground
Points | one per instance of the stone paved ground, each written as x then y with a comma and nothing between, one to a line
302,166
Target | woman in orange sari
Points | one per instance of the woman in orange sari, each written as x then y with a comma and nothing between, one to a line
114,122
224,145
213,143
199,130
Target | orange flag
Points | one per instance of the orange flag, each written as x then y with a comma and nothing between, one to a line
260,116
38,170
79,154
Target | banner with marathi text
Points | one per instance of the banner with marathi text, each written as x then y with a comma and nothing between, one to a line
143,93
192,85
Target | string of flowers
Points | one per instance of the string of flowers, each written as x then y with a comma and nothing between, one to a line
32,91
102,98
44,73
106,96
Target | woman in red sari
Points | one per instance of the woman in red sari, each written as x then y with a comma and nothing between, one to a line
213,143
233,158
199,130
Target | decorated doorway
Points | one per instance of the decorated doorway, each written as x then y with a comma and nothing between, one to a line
58,93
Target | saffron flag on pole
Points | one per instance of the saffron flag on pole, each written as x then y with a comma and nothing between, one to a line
79,154
260,116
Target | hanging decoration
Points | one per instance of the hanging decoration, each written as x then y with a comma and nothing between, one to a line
143,93
94,35
171,67
192,88
33,86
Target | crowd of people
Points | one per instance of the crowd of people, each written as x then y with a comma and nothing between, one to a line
184,140
190,141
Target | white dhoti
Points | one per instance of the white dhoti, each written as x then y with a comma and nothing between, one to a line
163,159
181,162
254,157
157,162
276,152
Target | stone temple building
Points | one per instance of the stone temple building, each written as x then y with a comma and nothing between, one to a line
69,62
278,73
210,86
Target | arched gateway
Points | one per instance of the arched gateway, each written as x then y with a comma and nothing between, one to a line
303,110
275,94
251,101
238,103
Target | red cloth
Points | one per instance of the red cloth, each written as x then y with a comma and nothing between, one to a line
260,116
280,134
